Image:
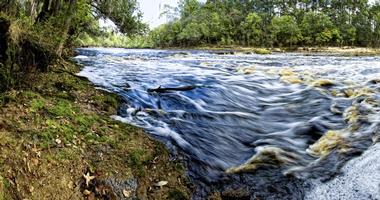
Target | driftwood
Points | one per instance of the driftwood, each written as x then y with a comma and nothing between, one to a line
182,88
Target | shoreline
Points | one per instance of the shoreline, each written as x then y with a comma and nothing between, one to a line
342,51
58,141
339,51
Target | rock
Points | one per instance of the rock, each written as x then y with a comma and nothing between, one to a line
86,192
246,70
262,51
287,72
358,179
126,193
58,141
265,156
328,142
323,83
126,86
374,81
291,79
237,194
161,183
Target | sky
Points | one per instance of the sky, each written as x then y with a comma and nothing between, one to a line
152,10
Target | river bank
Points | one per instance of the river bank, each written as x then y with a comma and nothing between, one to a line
59,142
342,51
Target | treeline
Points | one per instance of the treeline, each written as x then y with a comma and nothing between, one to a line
34,33
280,23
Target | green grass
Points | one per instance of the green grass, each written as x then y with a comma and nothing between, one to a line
137,159
63,108
37,104
4,185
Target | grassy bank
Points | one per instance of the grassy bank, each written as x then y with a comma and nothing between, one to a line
58,141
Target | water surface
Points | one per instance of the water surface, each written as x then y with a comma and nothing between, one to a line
256,117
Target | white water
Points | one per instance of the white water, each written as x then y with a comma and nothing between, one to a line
359,180
233,115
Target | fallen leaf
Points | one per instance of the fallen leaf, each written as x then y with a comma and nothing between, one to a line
161,183
86,192
126,193
88,178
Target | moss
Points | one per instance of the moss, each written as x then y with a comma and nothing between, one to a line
176,195
37,104
107,102
50,138
136,161
63,108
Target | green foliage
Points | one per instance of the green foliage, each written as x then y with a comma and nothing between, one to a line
124,13
112,40
252,29
285,31
33,34
316,28
271,23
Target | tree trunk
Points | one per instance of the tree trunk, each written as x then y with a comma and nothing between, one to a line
69,15
44,12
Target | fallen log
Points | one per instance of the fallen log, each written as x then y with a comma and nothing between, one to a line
182,88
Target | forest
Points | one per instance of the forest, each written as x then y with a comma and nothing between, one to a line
271,23
67,113
35,33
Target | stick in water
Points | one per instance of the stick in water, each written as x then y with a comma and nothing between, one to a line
182,88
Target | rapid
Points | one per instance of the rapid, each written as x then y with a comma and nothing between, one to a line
284,125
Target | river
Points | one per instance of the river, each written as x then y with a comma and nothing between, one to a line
279,126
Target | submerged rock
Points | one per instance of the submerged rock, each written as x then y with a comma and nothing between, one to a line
266,156
287,72
323,83
328,142
246,70
291,79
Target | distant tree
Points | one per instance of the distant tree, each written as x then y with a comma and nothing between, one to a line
316,28
278,22
285,31
252,29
